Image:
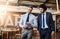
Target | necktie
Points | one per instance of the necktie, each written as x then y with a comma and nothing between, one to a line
43,21
27,18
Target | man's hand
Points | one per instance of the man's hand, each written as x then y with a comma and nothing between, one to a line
28,23
25,27
52,33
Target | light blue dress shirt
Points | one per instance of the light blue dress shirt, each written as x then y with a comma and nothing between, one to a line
46,26
32,20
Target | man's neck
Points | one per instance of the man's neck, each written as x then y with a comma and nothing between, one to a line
43,12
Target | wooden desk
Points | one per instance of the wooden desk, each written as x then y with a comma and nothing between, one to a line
7,31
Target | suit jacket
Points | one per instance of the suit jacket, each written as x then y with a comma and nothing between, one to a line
49,22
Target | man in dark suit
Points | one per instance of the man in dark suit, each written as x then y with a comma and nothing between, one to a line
46,26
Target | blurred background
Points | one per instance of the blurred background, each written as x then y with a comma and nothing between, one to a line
11,10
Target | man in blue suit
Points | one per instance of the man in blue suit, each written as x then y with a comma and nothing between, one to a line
46,26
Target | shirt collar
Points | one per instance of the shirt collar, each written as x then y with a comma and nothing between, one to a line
44,13
27,13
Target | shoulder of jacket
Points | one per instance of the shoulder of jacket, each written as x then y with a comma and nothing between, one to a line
39,14
48,12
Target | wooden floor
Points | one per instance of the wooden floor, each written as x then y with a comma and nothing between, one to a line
57,35
36,36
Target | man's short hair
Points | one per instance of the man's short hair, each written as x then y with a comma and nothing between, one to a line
31,7
43,6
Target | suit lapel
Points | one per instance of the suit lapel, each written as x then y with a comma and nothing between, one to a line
47,17
40,18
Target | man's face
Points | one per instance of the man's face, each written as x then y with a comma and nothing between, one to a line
30,10
41,10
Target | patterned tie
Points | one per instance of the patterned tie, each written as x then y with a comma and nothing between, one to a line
27,18
43,21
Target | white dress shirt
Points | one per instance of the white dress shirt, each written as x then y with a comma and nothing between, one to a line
46,26
32,20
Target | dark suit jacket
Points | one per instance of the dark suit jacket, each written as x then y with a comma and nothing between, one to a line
49,21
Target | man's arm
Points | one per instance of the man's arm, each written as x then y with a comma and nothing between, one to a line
52,23
34,24
21,22
38,22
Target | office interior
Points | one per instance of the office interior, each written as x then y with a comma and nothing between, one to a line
11,11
